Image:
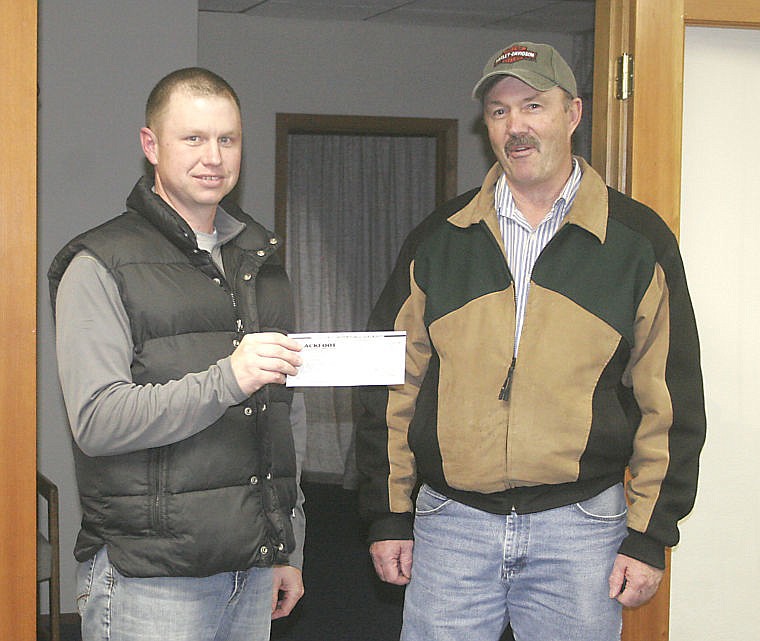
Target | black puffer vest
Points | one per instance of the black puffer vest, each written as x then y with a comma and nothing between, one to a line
220,500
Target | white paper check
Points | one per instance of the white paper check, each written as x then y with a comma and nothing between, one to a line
350,358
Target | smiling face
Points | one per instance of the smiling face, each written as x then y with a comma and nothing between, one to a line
530,132
195,148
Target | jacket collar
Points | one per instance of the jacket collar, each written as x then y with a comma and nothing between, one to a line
145,202
589,210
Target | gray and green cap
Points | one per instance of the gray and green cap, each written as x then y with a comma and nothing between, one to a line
538,65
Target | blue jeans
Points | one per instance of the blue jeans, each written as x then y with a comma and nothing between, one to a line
232,606
545,573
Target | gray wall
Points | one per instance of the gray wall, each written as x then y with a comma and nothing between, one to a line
99,59
365,69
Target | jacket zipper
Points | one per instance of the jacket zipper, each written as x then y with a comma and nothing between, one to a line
506,388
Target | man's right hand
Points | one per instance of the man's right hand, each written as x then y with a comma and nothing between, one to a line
266,357
393,560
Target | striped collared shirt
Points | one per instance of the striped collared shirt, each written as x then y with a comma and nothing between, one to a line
523,244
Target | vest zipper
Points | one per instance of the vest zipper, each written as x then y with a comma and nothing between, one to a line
239,328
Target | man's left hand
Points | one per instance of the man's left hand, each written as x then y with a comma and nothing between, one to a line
287,589
633,582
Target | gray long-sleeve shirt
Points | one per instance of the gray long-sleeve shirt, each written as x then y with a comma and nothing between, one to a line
108,412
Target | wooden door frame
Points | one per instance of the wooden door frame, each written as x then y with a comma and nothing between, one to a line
18,321
638,147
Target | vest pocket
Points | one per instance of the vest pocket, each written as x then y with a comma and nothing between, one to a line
157,488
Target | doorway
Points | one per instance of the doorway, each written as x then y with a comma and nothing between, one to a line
349,190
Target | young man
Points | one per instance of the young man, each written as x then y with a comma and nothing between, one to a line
551,345
170,323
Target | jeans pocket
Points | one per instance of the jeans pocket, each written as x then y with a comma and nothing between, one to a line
608,505
429,501
84,577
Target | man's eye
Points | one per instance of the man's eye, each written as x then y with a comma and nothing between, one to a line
193,138
225,140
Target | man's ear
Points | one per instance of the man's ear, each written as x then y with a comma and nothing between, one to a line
575,111
149,144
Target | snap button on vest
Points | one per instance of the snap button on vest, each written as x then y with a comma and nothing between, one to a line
247,276
248,411
264,550
254,480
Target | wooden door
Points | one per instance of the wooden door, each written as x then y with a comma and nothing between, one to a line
617,154
637,146
18,291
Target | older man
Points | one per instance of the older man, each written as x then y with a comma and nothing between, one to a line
551,345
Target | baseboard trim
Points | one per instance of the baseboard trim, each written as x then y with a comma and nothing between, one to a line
67,618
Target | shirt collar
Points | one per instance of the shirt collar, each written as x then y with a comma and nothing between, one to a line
589,207
227,226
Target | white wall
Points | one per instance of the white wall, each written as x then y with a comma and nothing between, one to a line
98,59
326,67
716,567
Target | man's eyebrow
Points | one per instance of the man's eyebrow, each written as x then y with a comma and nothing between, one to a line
526,99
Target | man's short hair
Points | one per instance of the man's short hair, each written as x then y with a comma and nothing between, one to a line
197,81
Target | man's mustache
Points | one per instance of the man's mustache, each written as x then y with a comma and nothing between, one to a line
516,142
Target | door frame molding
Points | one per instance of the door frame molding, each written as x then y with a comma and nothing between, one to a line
444,130
18,322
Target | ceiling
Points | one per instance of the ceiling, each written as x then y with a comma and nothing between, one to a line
564,16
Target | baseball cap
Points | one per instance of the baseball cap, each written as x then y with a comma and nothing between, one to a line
538,65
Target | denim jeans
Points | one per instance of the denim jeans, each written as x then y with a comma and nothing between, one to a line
232,606
545,573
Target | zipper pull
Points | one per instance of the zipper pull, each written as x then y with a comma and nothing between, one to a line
505,389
